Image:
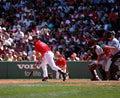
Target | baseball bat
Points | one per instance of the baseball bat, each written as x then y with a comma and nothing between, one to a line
35,67
31,73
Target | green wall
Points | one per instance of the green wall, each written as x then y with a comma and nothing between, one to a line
79,69
10,70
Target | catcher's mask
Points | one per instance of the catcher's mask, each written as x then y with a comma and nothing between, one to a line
93,41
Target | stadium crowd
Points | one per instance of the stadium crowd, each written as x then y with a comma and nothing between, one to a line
65,25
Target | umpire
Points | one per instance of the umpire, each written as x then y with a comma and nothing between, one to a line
114,52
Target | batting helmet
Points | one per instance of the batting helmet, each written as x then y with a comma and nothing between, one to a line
37,37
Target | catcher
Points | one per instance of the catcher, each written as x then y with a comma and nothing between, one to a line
99,63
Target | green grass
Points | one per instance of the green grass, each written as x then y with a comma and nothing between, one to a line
61,90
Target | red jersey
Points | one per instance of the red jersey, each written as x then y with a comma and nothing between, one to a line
41,47
61,63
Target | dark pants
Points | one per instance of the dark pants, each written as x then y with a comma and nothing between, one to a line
114,68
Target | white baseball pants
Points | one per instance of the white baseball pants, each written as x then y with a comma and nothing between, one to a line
48,59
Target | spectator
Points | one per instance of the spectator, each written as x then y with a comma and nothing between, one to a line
1,57
19,34
9,57
15,58
73,57
67,22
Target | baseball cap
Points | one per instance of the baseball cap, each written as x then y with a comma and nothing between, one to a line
113,32
4,28
109,33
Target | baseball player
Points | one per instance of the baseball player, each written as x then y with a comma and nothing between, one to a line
60,62
99,63
47,58
114,49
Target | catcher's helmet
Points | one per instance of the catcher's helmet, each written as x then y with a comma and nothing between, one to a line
94,40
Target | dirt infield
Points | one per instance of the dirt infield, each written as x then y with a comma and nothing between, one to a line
69,82
14,81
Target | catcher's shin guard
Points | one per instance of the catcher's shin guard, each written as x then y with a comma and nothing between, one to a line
91,69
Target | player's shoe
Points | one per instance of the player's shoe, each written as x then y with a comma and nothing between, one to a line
63,74
45,79
113,79
104,79
95,79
